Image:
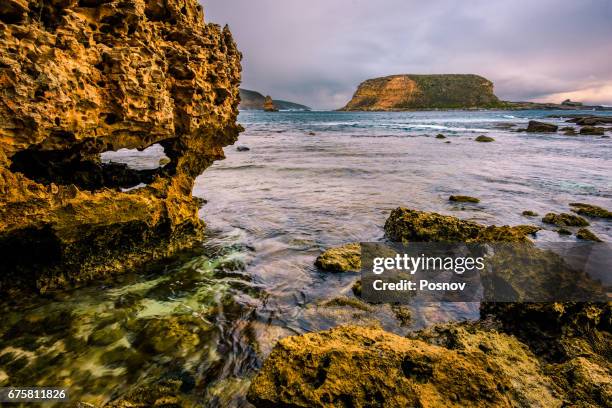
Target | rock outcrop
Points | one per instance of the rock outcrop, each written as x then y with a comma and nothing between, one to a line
79,78
541,127
414,92
269,105
364,367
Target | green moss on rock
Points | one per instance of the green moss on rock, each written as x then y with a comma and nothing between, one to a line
565,220
484,139
590,210
463,199
346,258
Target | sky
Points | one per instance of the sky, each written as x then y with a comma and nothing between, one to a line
317,52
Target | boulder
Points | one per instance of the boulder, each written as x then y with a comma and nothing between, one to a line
346,258
590,210
529,213
361,366
565,220
484,139
440,136
463,199
585,234
541,127
592,130
590,120
406,225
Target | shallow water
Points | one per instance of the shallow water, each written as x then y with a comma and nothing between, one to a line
270,211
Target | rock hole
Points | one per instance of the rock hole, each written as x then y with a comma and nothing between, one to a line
124,169
418,370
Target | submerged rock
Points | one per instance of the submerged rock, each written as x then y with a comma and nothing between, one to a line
346,258
592,130
590,210
360,366
587,235
405,225
565,220
590,120
529,213
541,127
243,149
564,231
440,136
463,199
484,139
81,78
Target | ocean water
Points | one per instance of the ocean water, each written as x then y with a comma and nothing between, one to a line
310,180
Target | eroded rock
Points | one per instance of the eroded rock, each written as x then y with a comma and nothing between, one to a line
346,258
540,127
590,210
405,225
360,366
565,220
592,131
81,78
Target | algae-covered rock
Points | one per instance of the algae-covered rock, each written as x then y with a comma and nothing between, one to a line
585,234
361,367
440,136
164,393
592,131
346,258
81,78
463,199
590,210
564,231
529,213
541,127
356,288
174,335
565,220
484,139
405,225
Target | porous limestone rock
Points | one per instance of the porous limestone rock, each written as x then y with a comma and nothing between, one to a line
590,210
565,220
346,258
406,225
410,92
363,367
78,78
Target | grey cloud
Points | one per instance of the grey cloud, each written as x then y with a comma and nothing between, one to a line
317,52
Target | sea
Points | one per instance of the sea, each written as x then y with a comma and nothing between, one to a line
309,181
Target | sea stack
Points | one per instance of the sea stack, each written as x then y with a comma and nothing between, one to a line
95,76
269,105
420,92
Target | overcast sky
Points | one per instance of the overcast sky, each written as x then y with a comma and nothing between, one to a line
316,52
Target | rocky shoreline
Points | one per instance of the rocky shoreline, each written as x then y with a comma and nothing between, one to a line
517,354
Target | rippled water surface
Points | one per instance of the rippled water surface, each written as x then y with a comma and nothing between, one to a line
309,181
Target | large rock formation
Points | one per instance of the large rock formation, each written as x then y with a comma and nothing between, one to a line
82,77
365,367
269,105
414,92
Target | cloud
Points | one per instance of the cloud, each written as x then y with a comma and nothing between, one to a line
317,52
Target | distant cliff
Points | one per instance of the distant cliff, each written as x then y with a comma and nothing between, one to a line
252,100
414,92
